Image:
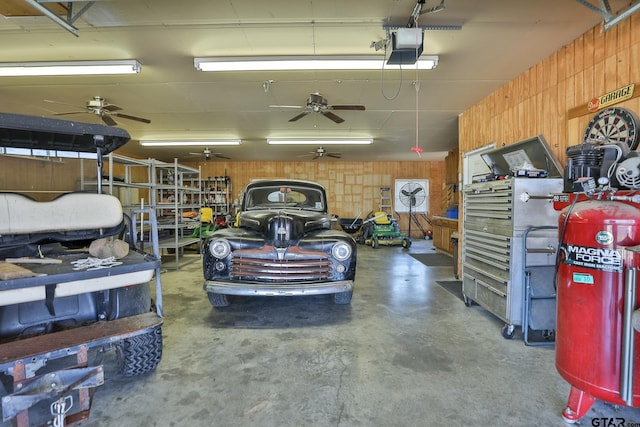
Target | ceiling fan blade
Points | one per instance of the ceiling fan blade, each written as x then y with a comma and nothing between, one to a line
70,112
62,103
334,155
126,116
298,117
111,107
297,107
220,156
347,107
108,120
331,116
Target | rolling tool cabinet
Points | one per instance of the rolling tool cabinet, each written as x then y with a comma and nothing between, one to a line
498,214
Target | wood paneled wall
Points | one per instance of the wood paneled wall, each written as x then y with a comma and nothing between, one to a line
538,100
353,187
451,167
43,179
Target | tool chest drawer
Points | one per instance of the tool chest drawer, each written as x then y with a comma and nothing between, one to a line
488,251
487,295
489,206
488,286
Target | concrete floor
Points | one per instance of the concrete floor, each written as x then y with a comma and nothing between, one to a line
405,353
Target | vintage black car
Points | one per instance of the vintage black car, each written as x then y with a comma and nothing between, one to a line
285,244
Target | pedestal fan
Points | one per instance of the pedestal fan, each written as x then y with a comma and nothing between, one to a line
411,195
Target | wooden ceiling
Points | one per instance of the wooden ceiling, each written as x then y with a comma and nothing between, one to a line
11,8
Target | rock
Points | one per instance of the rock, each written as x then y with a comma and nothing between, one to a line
105,248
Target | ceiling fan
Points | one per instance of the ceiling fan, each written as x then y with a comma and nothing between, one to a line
101,108
208,154
321,152
316,103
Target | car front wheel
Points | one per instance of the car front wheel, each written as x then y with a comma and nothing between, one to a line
342,297
218,300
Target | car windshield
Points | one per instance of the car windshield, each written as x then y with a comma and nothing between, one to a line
277,197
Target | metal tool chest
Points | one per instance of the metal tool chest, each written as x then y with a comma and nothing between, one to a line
497,214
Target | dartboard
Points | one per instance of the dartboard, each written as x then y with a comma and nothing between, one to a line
613,125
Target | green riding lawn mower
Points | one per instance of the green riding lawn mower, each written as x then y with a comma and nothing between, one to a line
381,229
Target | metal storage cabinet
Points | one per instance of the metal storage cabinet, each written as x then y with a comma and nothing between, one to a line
496,216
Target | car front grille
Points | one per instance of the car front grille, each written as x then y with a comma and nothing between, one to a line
269,264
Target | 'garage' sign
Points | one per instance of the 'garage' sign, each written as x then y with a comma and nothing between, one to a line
611,98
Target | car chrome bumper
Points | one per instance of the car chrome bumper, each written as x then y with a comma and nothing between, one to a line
277,289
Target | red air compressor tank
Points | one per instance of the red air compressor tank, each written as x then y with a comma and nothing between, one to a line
591,297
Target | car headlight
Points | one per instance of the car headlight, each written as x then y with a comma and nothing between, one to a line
220,248
341,251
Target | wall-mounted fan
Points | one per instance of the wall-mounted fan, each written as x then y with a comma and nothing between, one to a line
412,195
321,152
208,154
316,103
101,108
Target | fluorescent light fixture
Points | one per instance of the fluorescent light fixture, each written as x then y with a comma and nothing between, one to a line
198,142
69,68
296,63
355,141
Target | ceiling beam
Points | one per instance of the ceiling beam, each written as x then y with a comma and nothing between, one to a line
15,8
605,11
67,23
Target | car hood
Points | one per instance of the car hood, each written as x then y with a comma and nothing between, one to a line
284,224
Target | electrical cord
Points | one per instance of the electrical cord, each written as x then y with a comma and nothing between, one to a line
382,79
613,165
561,239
